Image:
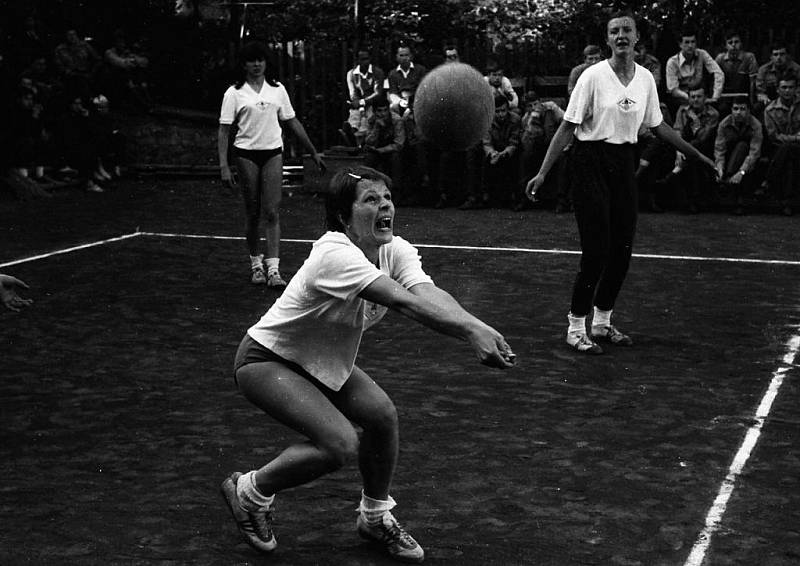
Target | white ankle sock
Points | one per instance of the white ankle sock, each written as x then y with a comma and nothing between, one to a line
372,510
576,323
250,498
601,318
272,264
256,260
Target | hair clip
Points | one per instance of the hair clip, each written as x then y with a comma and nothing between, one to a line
354,176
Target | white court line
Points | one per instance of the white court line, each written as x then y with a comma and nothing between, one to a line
72,249
502,249
717,510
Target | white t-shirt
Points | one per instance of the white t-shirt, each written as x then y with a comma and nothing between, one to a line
318,320
605,110
257,115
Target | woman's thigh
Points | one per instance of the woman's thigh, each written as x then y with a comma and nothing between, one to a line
271,179
249,173
293,400
364,402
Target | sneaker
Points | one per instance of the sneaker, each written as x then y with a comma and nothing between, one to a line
398,543
610,333
256,528
274,279
94,188
583,343
257,276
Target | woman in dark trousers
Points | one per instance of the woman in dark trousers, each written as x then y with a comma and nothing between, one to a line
611,101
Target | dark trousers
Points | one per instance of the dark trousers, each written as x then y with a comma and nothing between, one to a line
605,202
733,163
784,170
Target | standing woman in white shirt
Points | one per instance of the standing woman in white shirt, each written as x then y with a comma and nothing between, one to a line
260,107
297,363
611,101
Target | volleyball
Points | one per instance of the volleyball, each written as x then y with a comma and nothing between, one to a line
454,106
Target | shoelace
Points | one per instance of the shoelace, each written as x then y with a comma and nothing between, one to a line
259,523
396,533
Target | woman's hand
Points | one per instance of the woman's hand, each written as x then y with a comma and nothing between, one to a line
8,293
491,348
228,178
318,161
533,187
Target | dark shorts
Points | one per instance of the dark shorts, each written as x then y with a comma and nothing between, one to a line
251,352
257,156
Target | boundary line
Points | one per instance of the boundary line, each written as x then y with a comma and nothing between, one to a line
714,516
505,249
72,249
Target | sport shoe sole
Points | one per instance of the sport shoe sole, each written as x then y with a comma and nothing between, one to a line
583,344
612,335
254,527
399,544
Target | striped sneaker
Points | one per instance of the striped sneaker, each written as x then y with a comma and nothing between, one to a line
255,527
398,543
610,333
275,280
582,343
257,276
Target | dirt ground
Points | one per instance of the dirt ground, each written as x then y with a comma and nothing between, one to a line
119,417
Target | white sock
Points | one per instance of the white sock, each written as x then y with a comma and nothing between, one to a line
39,171
250,498
372,510
256,260
601,318
272,264
576,323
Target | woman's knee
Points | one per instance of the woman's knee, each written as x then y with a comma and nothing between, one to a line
381,418
340,448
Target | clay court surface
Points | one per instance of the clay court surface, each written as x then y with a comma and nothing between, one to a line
119,417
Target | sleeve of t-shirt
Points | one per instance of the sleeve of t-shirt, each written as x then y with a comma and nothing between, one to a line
406,264
580,101
285,109
343,271
227,114
652,114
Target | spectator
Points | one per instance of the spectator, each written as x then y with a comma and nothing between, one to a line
384,141
404,79
780,65
109,139
77,61
737,148
9,295
591,54
500,160
414,160
127,73
689,69
47,87
501,84
782,122
26,136
740,68
30,43
656,157
78,145
649,62
538,125
364,85
451,54
697,123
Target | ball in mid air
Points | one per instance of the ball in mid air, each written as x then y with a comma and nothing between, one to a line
454,106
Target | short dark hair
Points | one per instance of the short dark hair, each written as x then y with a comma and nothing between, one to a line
732,33
696,88
592,49
777,45
380,101
531,96
492,65
688,31
500,100
253,51
741,100
342,194
787,77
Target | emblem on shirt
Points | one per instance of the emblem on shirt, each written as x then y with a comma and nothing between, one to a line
626,104
261,105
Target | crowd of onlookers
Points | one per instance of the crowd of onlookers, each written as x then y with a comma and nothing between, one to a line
57,124
742,114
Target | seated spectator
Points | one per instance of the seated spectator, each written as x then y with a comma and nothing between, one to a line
78,145
501,84
697,123
655,160
591,54
649,62
538,125
108,138
779,65
500,161
47,86
740,68
77,62
127,71
30,43
689,69
26,136
404,79
782,122
737,148
384,141
364,85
